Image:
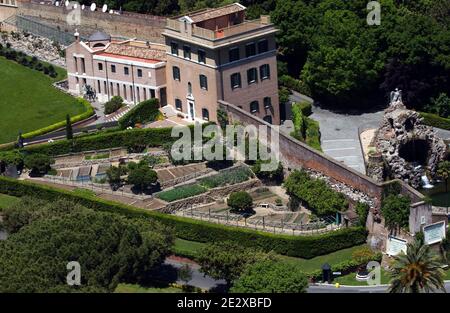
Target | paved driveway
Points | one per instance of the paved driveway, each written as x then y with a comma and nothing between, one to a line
340,137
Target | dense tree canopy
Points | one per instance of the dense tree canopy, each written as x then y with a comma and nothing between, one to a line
227,260
343,60
395,210
44,237
338,55
269,276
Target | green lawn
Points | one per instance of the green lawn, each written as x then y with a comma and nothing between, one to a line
6,200
317,262
129,288
350,279
28,101
191,248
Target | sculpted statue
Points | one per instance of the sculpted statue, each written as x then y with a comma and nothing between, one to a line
396,96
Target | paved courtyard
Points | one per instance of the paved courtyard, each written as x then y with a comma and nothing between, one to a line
340,136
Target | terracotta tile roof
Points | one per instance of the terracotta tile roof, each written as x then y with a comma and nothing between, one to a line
214,13
131,51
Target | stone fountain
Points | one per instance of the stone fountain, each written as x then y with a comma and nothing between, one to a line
409,149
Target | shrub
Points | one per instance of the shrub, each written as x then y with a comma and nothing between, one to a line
181,192
145,111
362,209
362,254
316,194
202,231
142,177
269,276
435,120
294,84
13,157
240,201
305,129
38,163
227,177
113,105
276,175
395,209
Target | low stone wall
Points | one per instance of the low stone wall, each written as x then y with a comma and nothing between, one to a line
210,196
220,192
174,206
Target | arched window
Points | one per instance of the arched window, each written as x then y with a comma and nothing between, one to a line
205,114
254,106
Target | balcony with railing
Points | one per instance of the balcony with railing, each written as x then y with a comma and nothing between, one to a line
246,27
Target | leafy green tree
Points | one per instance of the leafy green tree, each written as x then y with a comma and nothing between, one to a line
362,209
13,157
35,258
38,163
270,276
240,201
142,177
274,175
314,193
69,131
418,271
115,174
444,172
395,210
113,105
227,260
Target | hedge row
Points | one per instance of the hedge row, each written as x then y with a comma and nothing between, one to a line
89,111
143,112
201,231
105,140
435,120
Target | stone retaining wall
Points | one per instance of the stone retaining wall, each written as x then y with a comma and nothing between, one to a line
210,196
128,25
295,154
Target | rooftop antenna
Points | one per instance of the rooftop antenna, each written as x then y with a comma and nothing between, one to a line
104,8
93,7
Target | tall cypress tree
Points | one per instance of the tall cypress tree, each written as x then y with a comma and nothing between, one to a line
69,131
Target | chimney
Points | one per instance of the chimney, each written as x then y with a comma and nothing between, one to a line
77,35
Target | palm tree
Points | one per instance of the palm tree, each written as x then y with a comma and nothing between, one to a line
417,271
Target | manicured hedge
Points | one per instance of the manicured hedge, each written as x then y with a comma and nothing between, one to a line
143,112
201,231
105,140
89,111
435,120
